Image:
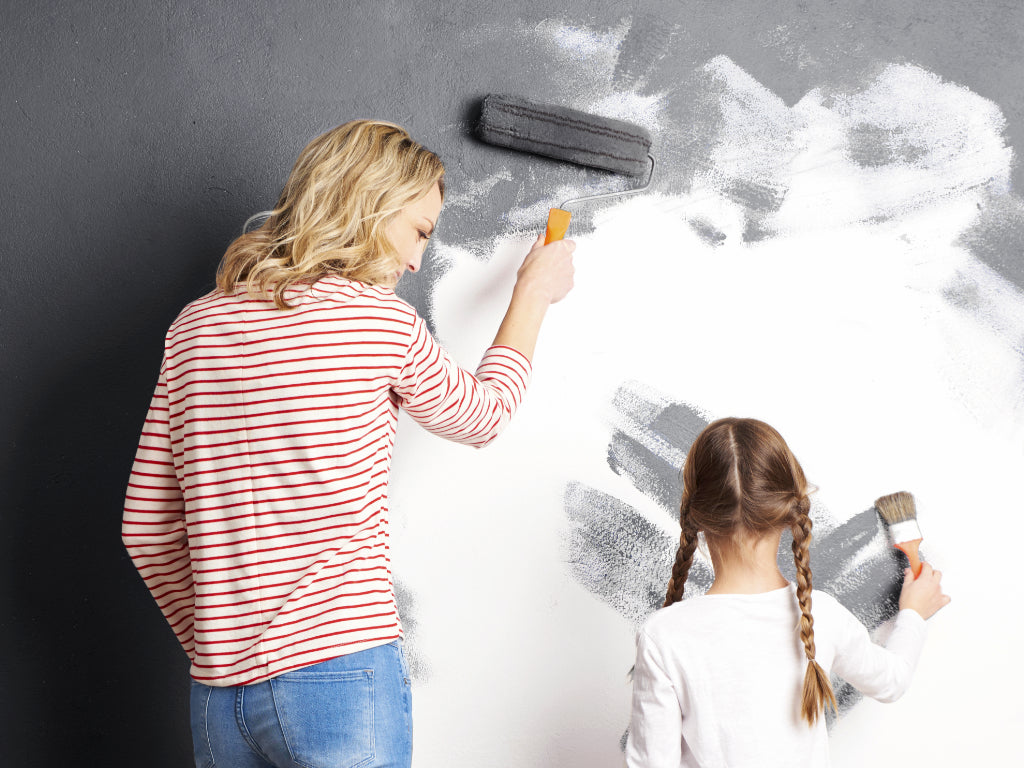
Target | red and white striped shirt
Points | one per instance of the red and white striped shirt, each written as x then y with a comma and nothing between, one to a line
257,510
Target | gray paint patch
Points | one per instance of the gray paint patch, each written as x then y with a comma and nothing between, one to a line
997,237
707,232
651,442
419,670
646,470
964,293
756,197
618,555
873,146
858,566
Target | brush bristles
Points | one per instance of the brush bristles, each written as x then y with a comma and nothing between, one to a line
896,507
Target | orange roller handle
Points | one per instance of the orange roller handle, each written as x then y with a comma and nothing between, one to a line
558,225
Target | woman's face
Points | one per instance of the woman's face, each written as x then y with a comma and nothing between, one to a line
410,230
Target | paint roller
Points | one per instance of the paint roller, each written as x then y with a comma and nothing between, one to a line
567,134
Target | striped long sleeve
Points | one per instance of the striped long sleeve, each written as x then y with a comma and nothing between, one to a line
257,509
153,528
455,404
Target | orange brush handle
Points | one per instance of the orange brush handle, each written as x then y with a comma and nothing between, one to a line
909,548
558,225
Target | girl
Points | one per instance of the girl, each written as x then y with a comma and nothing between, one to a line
257,509
740,676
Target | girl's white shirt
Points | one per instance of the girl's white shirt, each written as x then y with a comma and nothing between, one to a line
718,678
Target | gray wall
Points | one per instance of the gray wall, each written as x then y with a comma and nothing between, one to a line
137,137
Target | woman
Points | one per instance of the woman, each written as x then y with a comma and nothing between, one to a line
257,510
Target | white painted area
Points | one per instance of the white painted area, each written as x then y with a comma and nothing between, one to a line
837,330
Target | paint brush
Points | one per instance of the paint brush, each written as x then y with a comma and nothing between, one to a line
567,134
900,514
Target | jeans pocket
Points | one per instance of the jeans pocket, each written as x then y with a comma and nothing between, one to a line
326,718
199,701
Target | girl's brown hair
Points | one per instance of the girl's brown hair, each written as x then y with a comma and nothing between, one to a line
741,479
332,216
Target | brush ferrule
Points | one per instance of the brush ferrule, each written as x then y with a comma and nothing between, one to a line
908,530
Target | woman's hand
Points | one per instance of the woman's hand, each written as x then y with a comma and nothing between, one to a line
544,278
923,594
547,270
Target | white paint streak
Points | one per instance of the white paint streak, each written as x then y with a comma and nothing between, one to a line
639,108
591,57
580,43
757,139
473,190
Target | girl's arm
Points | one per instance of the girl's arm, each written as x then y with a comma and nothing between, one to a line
884,673
656,723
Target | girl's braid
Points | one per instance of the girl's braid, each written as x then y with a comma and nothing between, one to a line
684,555
817,692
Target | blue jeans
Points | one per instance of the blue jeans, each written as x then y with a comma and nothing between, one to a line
350,712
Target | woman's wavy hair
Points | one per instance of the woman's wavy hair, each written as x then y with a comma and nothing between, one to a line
741,480
332,216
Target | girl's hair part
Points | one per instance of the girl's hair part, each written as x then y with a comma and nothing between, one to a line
740,478
332,216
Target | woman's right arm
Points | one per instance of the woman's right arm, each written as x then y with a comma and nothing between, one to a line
474,409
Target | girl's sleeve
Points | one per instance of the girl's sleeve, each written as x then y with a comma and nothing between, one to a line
453,403
153,526
883,673
656,723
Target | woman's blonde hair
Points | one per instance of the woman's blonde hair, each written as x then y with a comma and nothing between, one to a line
332,216
740,478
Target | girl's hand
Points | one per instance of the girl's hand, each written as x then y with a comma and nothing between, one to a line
547,270
923,594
